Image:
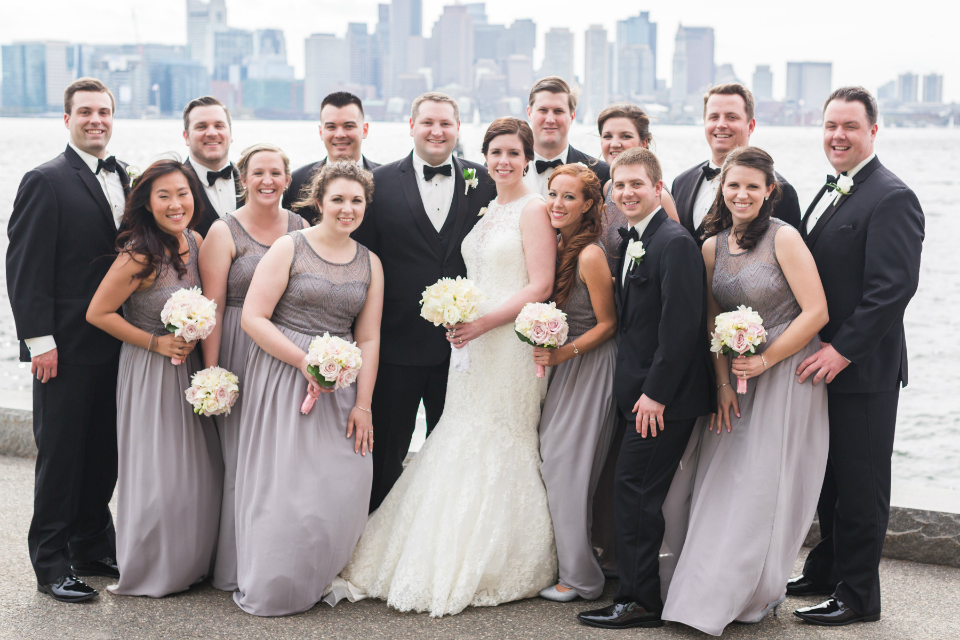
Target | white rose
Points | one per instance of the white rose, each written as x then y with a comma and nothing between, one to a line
844,183
635,251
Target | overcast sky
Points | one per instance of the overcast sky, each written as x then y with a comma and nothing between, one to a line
868,41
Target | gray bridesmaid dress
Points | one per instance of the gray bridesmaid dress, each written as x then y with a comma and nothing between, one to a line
302,493
171,470
742,502
576,428
234,345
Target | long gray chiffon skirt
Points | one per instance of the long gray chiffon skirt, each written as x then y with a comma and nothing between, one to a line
302,493
170,477
576,429
741,503
234,345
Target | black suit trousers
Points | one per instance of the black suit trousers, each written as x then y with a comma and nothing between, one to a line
854,505
396,400
645,470
75,427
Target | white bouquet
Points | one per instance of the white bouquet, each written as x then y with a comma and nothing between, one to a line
213,391
542,325
738,332
448,302
189,315
334,362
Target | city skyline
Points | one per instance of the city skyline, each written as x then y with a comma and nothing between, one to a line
740,41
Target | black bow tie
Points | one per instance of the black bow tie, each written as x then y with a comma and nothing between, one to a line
708,172
629,235
110,164
543,165
225,173
443,170
832,180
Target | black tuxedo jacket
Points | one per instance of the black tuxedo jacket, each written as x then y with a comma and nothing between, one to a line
209,214
662,313
867,249
687,185
62,243
599,167
414,255
302,176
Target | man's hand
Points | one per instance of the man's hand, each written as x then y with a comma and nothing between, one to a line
649,415
44,366
827,360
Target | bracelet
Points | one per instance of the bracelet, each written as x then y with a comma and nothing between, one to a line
150,346
575,352
362,409
725,384
764,360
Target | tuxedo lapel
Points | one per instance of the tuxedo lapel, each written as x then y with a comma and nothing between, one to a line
632,274
690,191
809,211
408,182
461,202
92,183
618,276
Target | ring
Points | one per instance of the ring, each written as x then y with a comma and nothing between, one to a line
461,340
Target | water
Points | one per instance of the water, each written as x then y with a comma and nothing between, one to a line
927,449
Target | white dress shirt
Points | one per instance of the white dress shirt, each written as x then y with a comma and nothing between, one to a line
828,196
223,193
437,193
640,227
537,182
113,191
705,197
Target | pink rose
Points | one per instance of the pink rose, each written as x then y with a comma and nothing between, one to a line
329,370
191,394
539,333
740,343
190,332
223,394
755,331
184,305
234,396
346,378
333,348
555,326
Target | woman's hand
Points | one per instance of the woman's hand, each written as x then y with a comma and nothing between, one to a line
461,333
173,346
549,357
726,400
746,367
313,387
362,421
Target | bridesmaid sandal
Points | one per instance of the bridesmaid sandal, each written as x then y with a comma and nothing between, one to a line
554,594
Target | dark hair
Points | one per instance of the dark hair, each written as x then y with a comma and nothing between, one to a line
142,236
340,99
631,112
732,89
311,195
510,126
720,217
638,156
85,84
554,85
204,101
588,232
856,94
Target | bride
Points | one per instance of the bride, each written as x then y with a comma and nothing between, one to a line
467,523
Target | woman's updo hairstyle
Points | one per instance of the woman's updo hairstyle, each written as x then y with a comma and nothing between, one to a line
587,233
631,112
720,217
510,127
312,193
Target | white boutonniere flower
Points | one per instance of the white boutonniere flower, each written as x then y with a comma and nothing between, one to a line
842,186
635,252
470,177
483,210
133,172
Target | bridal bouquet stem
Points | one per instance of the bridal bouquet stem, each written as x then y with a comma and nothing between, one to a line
188,315
541,324
213,391
333,362
738,332
448,302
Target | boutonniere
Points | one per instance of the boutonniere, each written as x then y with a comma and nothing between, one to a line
635,252
133,173
470,177
483,210
842,186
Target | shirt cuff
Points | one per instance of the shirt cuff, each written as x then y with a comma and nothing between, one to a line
41,345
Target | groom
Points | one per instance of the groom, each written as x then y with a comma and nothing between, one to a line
662,382
421,211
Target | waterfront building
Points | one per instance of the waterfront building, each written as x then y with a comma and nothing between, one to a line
453,47
908,86
558,52
596,70
763,83
519,72
637,73
933,88
204,20
808,85
406,21
636,31
320,75
35,75
693,63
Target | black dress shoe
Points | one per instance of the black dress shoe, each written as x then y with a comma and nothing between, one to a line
68,588
621,616
833,613
106,568
804,586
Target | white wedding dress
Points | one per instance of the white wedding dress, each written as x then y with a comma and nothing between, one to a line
467,523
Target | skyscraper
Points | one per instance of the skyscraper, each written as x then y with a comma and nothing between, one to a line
596,69
637,30
519,72
637,74
763,83
693,65
908,86
320,75
269,60
381,65
453,43
361,47
933,88
232,49
558,54
809,84
24,78
406,20
522,36
204,19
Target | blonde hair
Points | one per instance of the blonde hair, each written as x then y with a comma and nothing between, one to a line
244,162
434,96
312,193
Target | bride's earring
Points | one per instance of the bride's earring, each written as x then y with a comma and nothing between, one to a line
526,168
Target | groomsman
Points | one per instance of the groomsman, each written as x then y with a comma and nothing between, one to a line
662,382
62,233
343,131
421,211
551,111
727,122
207,130
865,229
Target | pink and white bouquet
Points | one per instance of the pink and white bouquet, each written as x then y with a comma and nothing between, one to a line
189,315
334,362
542,325
213,391
738,332
448,302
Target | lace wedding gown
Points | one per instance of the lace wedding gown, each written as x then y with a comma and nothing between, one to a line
467,523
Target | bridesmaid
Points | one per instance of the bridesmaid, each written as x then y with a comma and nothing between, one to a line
741,504
578,417
303,490
231,251
171,471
